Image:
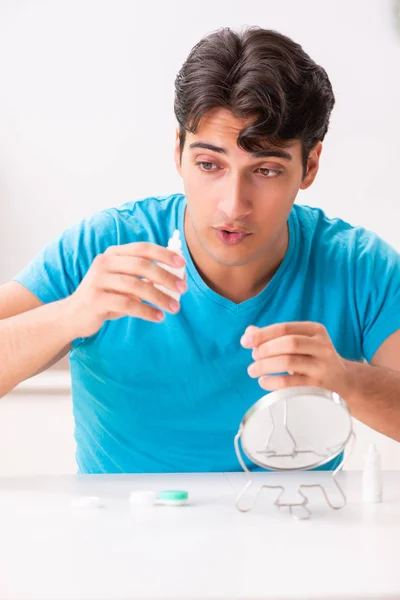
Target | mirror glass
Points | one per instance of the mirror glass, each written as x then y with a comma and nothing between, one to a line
297,428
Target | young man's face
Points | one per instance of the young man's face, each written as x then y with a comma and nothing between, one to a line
238,202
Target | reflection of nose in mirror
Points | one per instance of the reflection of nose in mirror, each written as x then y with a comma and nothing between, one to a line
297,428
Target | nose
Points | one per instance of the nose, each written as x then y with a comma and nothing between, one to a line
234,201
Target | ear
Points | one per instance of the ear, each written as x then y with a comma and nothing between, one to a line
312,166
177,153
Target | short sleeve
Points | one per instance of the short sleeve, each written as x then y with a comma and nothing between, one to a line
377,290
60,266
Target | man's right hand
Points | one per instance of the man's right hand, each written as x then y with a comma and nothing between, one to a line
118,282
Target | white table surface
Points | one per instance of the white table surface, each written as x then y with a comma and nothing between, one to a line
206,550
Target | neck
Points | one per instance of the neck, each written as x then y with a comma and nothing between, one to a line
237,283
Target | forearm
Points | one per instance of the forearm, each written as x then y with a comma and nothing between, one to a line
30,340
373,397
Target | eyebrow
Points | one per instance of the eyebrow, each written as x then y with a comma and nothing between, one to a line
267,153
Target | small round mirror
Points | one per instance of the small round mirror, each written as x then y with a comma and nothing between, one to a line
296,429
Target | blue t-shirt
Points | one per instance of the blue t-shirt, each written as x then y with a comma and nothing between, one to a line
169,397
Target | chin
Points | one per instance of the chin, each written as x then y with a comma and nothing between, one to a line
230,258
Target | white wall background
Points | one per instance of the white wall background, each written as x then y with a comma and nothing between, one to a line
86,122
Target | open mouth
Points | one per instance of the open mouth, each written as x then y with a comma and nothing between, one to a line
231,238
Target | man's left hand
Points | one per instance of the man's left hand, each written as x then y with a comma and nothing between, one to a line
302,349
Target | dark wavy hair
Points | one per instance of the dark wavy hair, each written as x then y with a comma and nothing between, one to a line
258,74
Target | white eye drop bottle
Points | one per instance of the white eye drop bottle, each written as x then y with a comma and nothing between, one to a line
174,244
372,476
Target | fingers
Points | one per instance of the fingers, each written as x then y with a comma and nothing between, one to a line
117,306
149,251
254,336
289,344
278,382
294,363
142,290
301,349
140,267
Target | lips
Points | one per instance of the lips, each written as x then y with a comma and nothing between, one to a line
230,237
232,230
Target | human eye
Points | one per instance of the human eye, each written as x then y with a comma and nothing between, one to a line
206,166
269,173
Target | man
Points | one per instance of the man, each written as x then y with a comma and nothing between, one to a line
276,294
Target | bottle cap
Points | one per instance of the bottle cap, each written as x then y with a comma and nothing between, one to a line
143,497
174,243
372,456
173,497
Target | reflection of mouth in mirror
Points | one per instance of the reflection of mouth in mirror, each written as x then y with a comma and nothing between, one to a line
299,429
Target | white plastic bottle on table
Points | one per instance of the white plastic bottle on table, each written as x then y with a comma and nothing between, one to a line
174,244
372,476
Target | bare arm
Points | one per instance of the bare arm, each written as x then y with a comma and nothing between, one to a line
374,396
32,336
